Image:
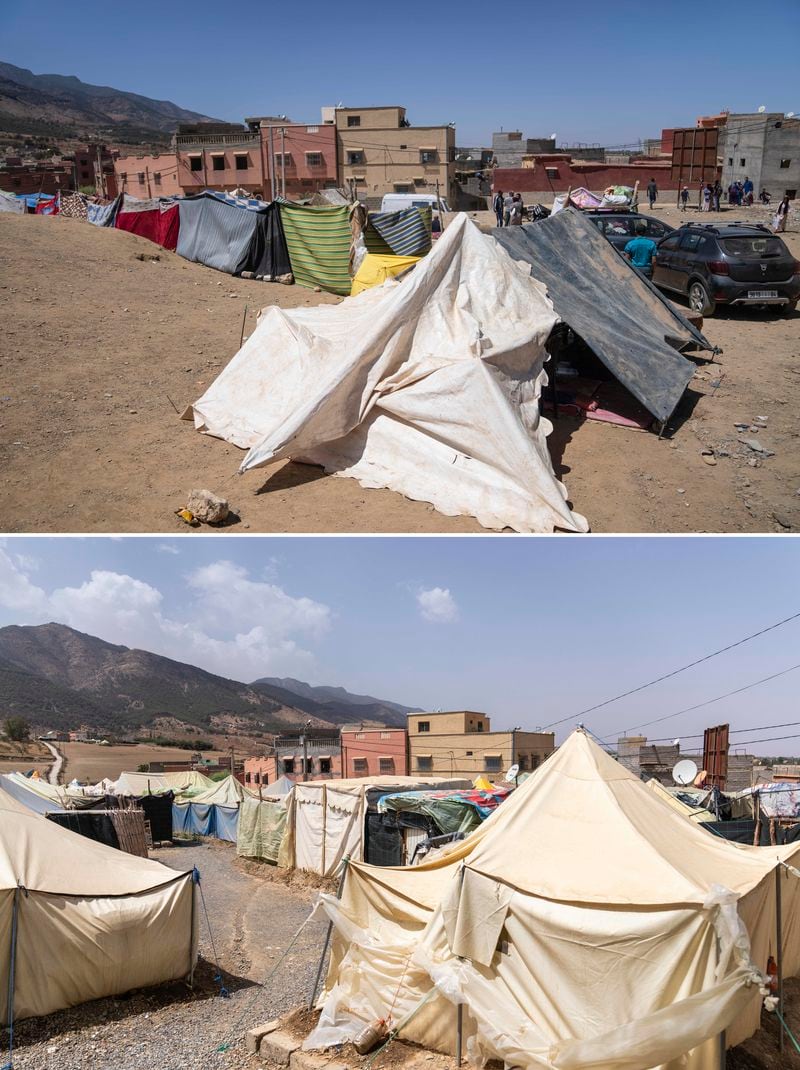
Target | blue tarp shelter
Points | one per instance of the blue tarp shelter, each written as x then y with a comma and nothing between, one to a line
202,819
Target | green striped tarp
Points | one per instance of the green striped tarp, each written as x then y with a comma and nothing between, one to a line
318,240
403,233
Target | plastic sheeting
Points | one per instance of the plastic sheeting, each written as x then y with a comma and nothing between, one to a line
630,327
584,924
429,387
214,232
202,819
262,827
375,269
450,811
92,921
10,203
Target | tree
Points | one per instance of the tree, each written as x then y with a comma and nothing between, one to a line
16,729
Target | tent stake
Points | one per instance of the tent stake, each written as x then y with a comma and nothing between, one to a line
459,1031
313,997
779,946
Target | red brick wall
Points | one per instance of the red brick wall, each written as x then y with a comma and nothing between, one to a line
595,177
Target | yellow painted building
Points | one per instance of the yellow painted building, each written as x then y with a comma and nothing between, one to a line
461,744
378,153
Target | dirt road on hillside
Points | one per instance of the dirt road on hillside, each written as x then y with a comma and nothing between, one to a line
103,345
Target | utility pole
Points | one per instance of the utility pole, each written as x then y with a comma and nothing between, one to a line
305,756
271,166
283,161
233,763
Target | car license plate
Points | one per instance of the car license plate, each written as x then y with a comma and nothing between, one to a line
756,295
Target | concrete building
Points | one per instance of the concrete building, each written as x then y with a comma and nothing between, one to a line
462,744
304,156
18,177
321,752
373,751
546,174
221,156
656,761
764,148
508,147
380,152
151,175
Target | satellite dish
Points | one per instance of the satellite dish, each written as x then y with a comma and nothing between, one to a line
513,772
761,109
684,772
790,115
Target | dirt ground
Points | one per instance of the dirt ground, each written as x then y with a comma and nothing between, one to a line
24,757
91,762
107,338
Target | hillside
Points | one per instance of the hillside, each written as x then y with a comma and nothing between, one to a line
335,703
60,678
61,105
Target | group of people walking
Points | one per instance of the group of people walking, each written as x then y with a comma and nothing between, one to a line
508,208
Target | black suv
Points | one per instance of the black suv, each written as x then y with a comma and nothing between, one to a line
727,263
619,227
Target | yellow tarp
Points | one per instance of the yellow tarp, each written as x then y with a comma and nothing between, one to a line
376,269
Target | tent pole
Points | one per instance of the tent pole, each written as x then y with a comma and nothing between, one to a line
459,1031
313,997
723,1055
779,946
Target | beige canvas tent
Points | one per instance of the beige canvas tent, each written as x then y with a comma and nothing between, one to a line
79,920
694,813
325,818
429,386
586,924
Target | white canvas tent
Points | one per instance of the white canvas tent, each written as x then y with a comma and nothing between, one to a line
429,387
585,925
79,920
325,818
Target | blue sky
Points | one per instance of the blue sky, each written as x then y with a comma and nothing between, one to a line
528,630
575,70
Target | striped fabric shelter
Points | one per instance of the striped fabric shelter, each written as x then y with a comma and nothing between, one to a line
318,240
403,233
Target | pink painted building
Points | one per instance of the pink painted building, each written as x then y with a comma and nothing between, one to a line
154,175
373,751
303,156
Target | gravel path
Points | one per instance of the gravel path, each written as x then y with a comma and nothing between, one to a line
171,1028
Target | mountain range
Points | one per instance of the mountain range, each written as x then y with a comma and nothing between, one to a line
60,678
61,105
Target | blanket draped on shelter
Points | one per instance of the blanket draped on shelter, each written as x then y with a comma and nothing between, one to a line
630,327
156,218
10,203
584,925
75,205
103,215
406,232
318,240
233,234
430,387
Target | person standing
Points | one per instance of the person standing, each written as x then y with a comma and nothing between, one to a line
641,250
497,204
516,210
747,190
707,197
652,192
717,194
508,201
781,215
684,198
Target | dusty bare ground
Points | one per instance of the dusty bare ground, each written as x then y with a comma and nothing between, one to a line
89,761
100,348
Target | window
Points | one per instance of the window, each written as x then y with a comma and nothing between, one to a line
730,161
402,187
785,163
360,735
386,735
492,763
423,726
123,176
324,765
655,229
283,158
247,778
195,163
424,763
480,726
692,243
242,162
141,178
428,156
312,129
386,765
157,177
469,753
217,163
551,172
288,765
356,156
354,120
314,159
404,146
360,765
671,243
420,180
741,161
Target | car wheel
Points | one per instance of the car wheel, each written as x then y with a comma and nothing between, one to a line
699,299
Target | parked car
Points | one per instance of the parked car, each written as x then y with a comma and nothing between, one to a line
393,202
620,227
727,263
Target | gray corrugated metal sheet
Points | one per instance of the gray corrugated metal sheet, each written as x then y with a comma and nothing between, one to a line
214,233
633,330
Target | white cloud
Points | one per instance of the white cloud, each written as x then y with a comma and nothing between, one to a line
226,622
167,548
436,604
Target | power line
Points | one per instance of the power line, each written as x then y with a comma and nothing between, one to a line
734,732
675,672
708,702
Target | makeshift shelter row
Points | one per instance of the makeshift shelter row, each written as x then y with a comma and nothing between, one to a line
68,908
585,924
